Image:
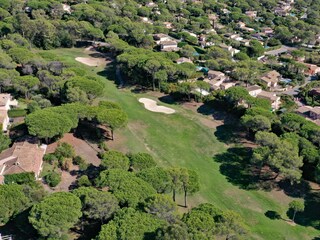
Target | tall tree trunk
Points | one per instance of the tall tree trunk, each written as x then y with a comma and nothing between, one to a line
185,198
294,215
174,195
159,85
153,85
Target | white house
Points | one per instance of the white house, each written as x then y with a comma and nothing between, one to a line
183,60
169,46
6,102
254,90
22,157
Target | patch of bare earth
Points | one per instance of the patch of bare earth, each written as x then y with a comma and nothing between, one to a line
67,180
209,122
81,147
118,143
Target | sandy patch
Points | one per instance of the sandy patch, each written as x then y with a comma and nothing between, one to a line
92,62
152,106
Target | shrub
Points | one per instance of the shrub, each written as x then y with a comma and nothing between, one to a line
109,105
83,166
81,162
140,161
103,146
20,178
77,160
115,159
53,179
84,181
13,113
65,163
64,150
50,158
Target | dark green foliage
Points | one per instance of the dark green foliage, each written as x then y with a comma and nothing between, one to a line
177,231
64,150
129,189
157,177
55,214
53,179
4,142
84,181
130,224
206,221
162,206
115,159
50,158
109,105
141,161
20,178
47,124
97,205
13,113
12,201
78,160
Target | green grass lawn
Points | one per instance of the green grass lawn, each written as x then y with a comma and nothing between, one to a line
181,140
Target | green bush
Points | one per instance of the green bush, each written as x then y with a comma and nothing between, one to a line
109,105
84,181
199,50
77,160
50,158
140,161
83,166
13,113
20,178
81,162
53,179
103,146
64,150
181,44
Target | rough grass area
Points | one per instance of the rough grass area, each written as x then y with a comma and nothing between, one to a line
181,139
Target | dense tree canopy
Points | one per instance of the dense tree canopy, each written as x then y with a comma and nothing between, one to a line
55,214
129,189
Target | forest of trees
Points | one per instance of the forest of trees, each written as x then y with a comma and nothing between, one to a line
129,196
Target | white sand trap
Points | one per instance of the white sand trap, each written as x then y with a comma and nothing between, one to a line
92,62
152,106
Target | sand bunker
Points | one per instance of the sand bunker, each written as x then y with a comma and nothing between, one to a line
92,62
152,106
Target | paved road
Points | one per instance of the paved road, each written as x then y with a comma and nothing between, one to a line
279,51
294,91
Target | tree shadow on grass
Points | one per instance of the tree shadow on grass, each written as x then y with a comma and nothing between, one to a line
273,215
311,214
227,134
109,72
236,166
168,99
300,189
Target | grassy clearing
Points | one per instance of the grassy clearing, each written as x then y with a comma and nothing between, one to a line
182,140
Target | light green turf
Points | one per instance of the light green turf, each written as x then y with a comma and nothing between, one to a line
181,140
